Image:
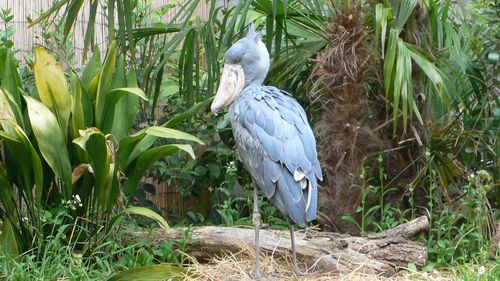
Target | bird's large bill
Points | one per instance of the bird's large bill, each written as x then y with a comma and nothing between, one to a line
231,85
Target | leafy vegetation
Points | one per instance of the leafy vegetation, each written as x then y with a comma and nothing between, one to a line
83,157
403,96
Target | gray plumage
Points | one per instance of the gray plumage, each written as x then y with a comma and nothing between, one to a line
275,142
274,139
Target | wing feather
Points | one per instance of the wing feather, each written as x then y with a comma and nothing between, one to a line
276,143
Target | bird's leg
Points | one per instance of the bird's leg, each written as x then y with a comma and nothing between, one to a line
295,268
256,222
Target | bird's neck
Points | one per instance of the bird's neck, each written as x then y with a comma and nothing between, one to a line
255,73
255,83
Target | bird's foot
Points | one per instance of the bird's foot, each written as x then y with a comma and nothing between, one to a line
256,275
264,226
297,272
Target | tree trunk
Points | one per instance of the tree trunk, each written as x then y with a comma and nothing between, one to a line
381,253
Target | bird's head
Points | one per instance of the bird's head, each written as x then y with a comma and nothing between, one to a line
246,63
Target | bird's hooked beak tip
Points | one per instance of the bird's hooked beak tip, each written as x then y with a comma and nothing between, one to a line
215,108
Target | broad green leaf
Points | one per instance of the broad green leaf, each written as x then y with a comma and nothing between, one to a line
120,77
129,144
95,144
10,107
92,69
8,239
105,80
131,103
111,101
142,211
51,141
77,112
11,81
52,87
147,159
92,88
19,151
9,138
119,125
171,134
151,273
133,146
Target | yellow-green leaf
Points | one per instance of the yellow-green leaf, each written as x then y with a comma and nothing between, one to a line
168,133
92,69
148,213
51,141
10,107
52,87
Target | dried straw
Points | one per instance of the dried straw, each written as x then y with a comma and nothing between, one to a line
241,266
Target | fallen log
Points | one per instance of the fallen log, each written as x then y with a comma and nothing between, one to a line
381,253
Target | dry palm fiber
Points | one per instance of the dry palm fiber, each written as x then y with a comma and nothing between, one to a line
345,134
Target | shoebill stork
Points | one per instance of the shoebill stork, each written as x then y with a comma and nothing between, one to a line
273,137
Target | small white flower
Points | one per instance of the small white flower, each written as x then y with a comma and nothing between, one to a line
481,271
77,199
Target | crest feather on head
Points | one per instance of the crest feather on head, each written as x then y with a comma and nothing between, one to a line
252,34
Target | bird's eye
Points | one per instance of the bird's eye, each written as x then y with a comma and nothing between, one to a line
236,61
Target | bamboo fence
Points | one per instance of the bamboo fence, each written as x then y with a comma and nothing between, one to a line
26,37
